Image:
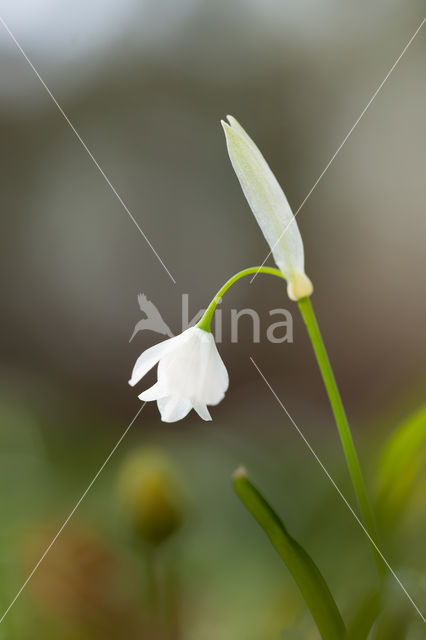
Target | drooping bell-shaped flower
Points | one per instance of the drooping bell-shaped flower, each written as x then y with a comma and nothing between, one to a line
270,207
191,374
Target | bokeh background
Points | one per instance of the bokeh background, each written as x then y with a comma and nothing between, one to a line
146,84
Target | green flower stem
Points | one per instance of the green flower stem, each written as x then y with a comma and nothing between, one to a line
206,320
352,460
307,312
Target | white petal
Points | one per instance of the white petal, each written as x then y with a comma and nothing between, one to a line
195,370
181,368
266,199
150,357
173,408
202,411
154,393
214,379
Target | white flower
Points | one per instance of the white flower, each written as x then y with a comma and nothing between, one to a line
270,207
191,374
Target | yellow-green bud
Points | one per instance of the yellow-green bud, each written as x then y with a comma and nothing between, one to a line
150,492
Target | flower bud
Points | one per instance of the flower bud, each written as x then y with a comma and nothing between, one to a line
150,492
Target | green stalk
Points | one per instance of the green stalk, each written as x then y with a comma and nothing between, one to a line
331,388
206,320
342,423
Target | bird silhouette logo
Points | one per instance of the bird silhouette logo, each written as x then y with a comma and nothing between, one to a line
153,320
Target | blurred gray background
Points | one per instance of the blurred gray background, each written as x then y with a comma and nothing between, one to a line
146,84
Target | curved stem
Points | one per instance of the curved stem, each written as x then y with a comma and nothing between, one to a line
206,319
340,417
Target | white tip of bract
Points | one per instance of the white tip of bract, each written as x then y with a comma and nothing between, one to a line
234,122
270,207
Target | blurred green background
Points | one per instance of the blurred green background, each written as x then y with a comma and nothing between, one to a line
145,84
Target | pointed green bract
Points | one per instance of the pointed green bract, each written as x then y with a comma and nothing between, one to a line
308,577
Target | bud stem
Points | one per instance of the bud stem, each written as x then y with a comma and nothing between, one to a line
152,590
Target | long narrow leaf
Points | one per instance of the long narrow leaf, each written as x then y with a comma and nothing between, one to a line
400,463
364,617
312,585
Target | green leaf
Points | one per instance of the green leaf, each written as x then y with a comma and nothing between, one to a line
364,617
400,463
312,585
